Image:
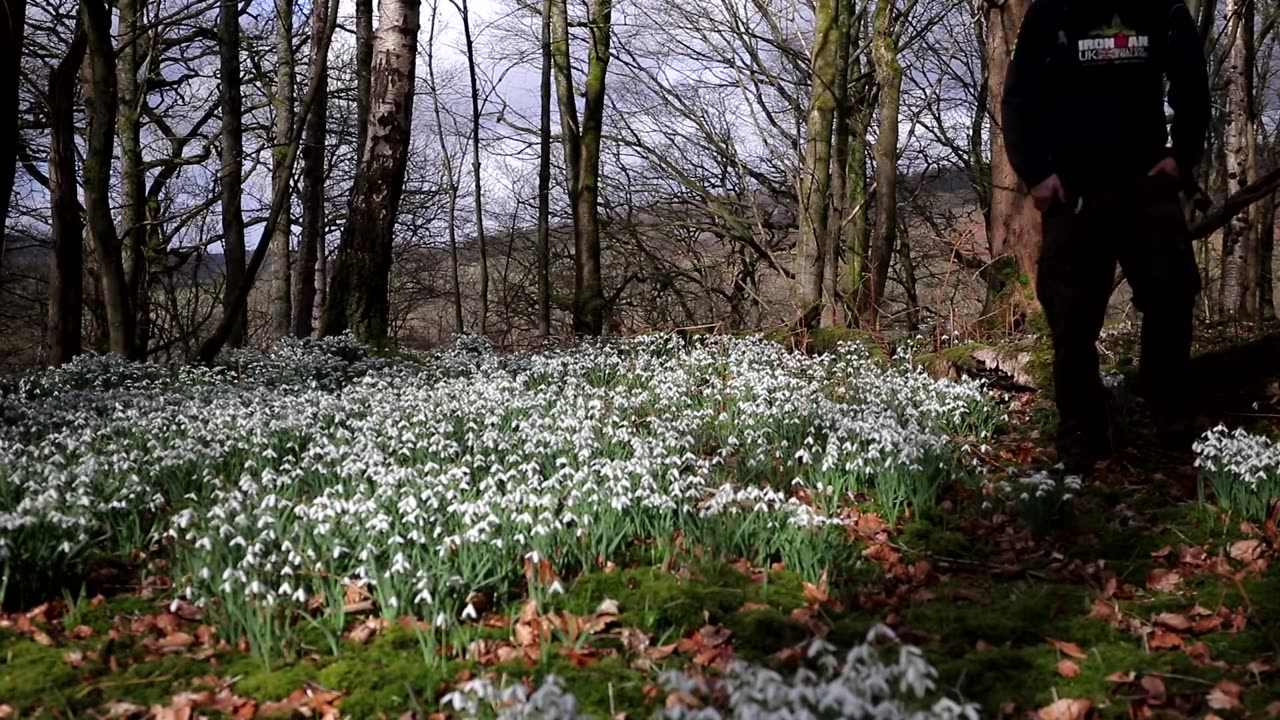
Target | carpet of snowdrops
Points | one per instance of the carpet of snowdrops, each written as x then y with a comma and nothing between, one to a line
277,479
276,482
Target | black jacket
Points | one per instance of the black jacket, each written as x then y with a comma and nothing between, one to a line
1085,93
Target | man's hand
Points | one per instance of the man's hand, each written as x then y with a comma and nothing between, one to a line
1167,166
1048,189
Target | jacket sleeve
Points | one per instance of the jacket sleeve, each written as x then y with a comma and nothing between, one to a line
1188,88
1024,110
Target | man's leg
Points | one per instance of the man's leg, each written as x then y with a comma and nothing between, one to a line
1159,263
1076,270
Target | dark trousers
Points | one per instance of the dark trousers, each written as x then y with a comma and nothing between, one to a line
1143,230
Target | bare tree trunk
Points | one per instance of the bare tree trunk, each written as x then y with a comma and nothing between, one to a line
66,267
857,233
322,281
1014,227
364,69
100,95
544,180
229,173
210,348
1266,258
365,254
909,280
815,174
839,170
889,77
132,97
281,302
1239,131
307,275
12,30
582,157
447,157
477,188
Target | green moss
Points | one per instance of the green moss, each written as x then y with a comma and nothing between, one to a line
30,674
262,683
665,604
1015,613
602,688
923,535
760,633
100,618
825,340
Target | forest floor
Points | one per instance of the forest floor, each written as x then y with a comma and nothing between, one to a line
1137,600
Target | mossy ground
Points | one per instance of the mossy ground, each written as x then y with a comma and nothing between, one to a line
984,609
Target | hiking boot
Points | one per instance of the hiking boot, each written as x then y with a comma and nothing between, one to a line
1080,452
1177,436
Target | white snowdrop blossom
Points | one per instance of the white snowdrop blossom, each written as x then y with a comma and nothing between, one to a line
880,679
281,476
1242,468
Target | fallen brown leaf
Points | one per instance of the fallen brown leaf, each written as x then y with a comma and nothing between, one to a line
1173,621
1164,640
1206,625
365,630
1068,669
74,658
1065,709
117,709
1069,649
1163,580
1224,696
81,632
662,651
633,639
1273,710
7,711
42,638
168,622
1247,550
176,641
816,593
1121,678
681,699
1103,610
1199,652
1154,686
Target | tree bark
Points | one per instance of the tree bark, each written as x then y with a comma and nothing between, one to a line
230,170
1237,141
100,96
1266,258
477,188
12,30
1014,228
582,157
66,267
364,68
359,296
544,179
839,170
857,233
281,302
446,157
132,98
909,280
311,245
889,78
214,344
815,173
